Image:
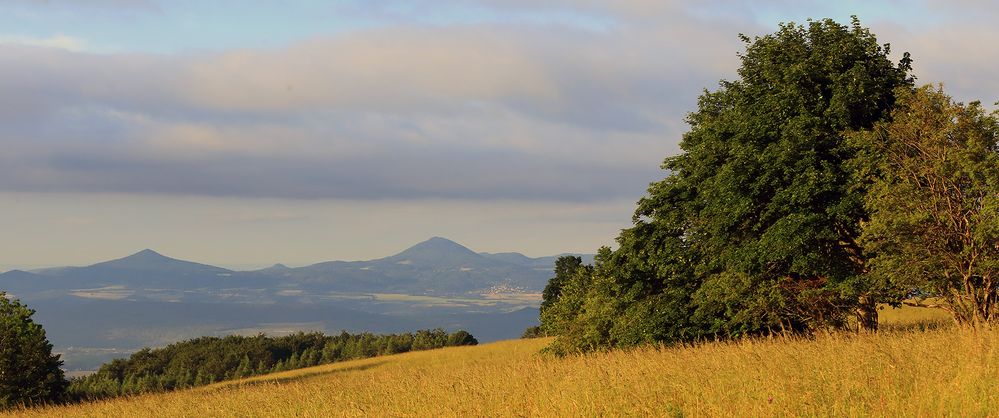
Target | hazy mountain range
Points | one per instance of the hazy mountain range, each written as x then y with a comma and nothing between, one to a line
437,267
96,312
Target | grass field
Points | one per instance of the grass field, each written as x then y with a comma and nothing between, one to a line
908,370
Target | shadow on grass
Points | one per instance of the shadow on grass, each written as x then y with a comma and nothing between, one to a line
928,325
307,375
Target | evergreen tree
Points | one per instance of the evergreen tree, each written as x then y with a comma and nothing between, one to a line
207,359
29,372
244,369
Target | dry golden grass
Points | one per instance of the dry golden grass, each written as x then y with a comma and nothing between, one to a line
942,371
910,318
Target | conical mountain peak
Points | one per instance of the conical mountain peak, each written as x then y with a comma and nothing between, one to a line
147,253
438,244
438,250
145,256
151,260
277,267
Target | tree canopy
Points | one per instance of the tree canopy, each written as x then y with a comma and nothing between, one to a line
934,227
756,227
29,372
206,360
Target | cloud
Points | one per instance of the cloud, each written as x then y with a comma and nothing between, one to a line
506,125
461,111
482,109
68,43
953,55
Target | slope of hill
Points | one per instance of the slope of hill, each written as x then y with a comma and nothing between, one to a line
144,269
121,278
148,260
19,282
944,371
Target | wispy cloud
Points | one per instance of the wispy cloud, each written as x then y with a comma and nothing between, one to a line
59,41
470,108
486,111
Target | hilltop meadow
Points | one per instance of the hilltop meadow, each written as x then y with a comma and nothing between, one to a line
826,243
917,365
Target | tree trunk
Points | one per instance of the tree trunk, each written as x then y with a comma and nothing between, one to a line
867,314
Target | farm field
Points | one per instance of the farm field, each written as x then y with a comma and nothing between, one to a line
908,370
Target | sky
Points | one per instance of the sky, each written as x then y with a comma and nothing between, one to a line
243,133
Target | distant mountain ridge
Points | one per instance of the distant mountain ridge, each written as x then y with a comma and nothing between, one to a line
437,266
540,262
147,298
150,261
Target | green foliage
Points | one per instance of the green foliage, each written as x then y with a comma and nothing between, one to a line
934,205
206,360
29,372
566,303
565,268
460,338
533,332
755,229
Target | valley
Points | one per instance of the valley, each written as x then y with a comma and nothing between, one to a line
110,309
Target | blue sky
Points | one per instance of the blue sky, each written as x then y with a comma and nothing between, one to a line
176,26
183,26
247,133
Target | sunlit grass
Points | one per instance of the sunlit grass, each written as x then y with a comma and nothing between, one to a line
912,318
939,371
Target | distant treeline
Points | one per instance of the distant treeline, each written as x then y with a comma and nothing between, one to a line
206,360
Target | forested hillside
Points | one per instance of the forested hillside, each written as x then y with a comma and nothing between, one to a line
207,360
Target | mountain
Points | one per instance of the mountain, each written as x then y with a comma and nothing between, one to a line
513,258
144,269
437,266
541,262
151,261
276,269
437,252
100,311
19,283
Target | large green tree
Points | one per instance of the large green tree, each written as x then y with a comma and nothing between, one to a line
934,226
29,372
565,268
755,229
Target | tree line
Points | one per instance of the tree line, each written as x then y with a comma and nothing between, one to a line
30,374
819,185
207,360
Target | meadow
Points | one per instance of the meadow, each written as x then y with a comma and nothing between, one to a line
918,366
